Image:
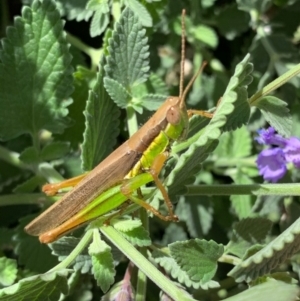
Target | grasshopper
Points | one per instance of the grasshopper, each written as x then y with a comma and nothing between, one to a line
113,182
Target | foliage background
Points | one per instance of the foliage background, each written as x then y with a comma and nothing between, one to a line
220,32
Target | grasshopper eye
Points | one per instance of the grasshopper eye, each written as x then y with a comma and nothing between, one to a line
173,115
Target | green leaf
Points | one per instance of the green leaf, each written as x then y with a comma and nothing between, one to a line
130,66
152,101
170,265
272,255
47,286
103,265
8,271
246,233
198,258
31,253
133,231
74,9
270,290
30,156
140,10
64,246
102,125
30,185
35,73
117,92
204,34
101,16
277,114
197,213
232,22
235,144
242,204
55,150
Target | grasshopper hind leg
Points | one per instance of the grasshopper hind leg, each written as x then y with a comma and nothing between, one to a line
154,172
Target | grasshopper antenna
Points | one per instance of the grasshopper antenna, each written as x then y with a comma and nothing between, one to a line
183,93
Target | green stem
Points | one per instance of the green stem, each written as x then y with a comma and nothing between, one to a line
141,286
12,158
143,264
85,240
25,199
131,121
252,189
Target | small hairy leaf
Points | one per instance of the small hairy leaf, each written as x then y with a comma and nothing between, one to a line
277,114
141,11
47,286
170,265
137,236
64,246
198,258
35,74
29,155
102,125
30,184
130,66
8,271
272,255
246,233
102,261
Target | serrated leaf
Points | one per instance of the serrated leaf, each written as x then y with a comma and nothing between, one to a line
100,19
47,286
102,261
137,236
117,92
75,9
8,271
152,101
35,73
102,124
130,66
272,255
55,150
198,258
141,11
174,232
276,113
246,233
271,290
64,246
170,265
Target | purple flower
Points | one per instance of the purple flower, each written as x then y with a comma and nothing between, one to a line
272,162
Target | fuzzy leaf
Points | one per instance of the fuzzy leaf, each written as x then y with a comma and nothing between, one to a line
276,113
198,258
64,246
103,265
170,265
102,124
141,11
47,286
272,255
246,233
130,66
35,74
